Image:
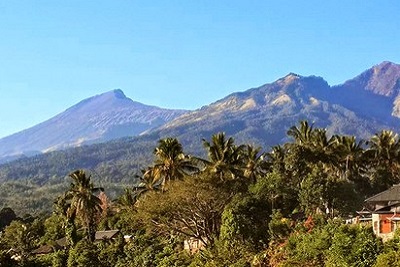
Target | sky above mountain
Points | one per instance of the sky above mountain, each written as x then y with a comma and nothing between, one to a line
178,54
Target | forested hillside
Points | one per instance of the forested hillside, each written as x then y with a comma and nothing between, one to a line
240,205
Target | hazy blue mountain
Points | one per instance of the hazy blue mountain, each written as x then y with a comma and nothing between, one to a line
97,119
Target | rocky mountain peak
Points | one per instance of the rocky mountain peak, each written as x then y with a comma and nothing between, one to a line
118,93
382,79
288,79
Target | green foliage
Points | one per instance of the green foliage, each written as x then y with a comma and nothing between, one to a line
6,260
79,202
353,246
236,202
333,244
152,250
390,255
277,191
84,254
59,258
22,237
111,252
53,229
7,215
234,253
190,208
245,218
279,226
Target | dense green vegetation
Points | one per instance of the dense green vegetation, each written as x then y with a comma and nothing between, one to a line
246,207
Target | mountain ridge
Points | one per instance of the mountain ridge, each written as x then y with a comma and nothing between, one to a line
370,100
258,116
269,110
100,118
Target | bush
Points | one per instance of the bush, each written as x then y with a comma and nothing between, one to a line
83,254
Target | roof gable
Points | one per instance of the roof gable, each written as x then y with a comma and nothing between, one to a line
392,194
106,234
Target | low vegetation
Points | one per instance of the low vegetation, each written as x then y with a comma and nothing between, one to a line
238,206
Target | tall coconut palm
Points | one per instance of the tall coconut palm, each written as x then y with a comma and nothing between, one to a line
171,163
148,182
302,135
61,207
82,203
384,146
383,153
254,163
225,159
276,159
350,154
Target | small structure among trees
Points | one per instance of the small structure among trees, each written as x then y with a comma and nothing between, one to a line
385,212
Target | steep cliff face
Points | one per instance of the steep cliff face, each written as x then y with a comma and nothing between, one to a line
100,118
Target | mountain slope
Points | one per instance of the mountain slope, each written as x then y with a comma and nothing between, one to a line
97,119
259,116
361,107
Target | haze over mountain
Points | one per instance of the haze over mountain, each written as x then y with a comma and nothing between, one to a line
104,117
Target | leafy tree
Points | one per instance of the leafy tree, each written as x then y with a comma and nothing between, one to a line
84,254
190,208
353,246
279,226
7,215
278,191
22,238
53,228
245,219
150,249
110,252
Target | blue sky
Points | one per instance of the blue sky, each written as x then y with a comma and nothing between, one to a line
179,54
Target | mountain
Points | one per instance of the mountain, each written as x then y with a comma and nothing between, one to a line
361,106
97,119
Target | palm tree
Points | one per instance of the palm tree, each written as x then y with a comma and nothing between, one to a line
61,207
171,163
350,153
383,154
302,135
127,200
224,157
384,146
254,163
148,182
82,203
276,159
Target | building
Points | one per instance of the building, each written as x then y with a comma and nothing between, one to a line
62,242
385,212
